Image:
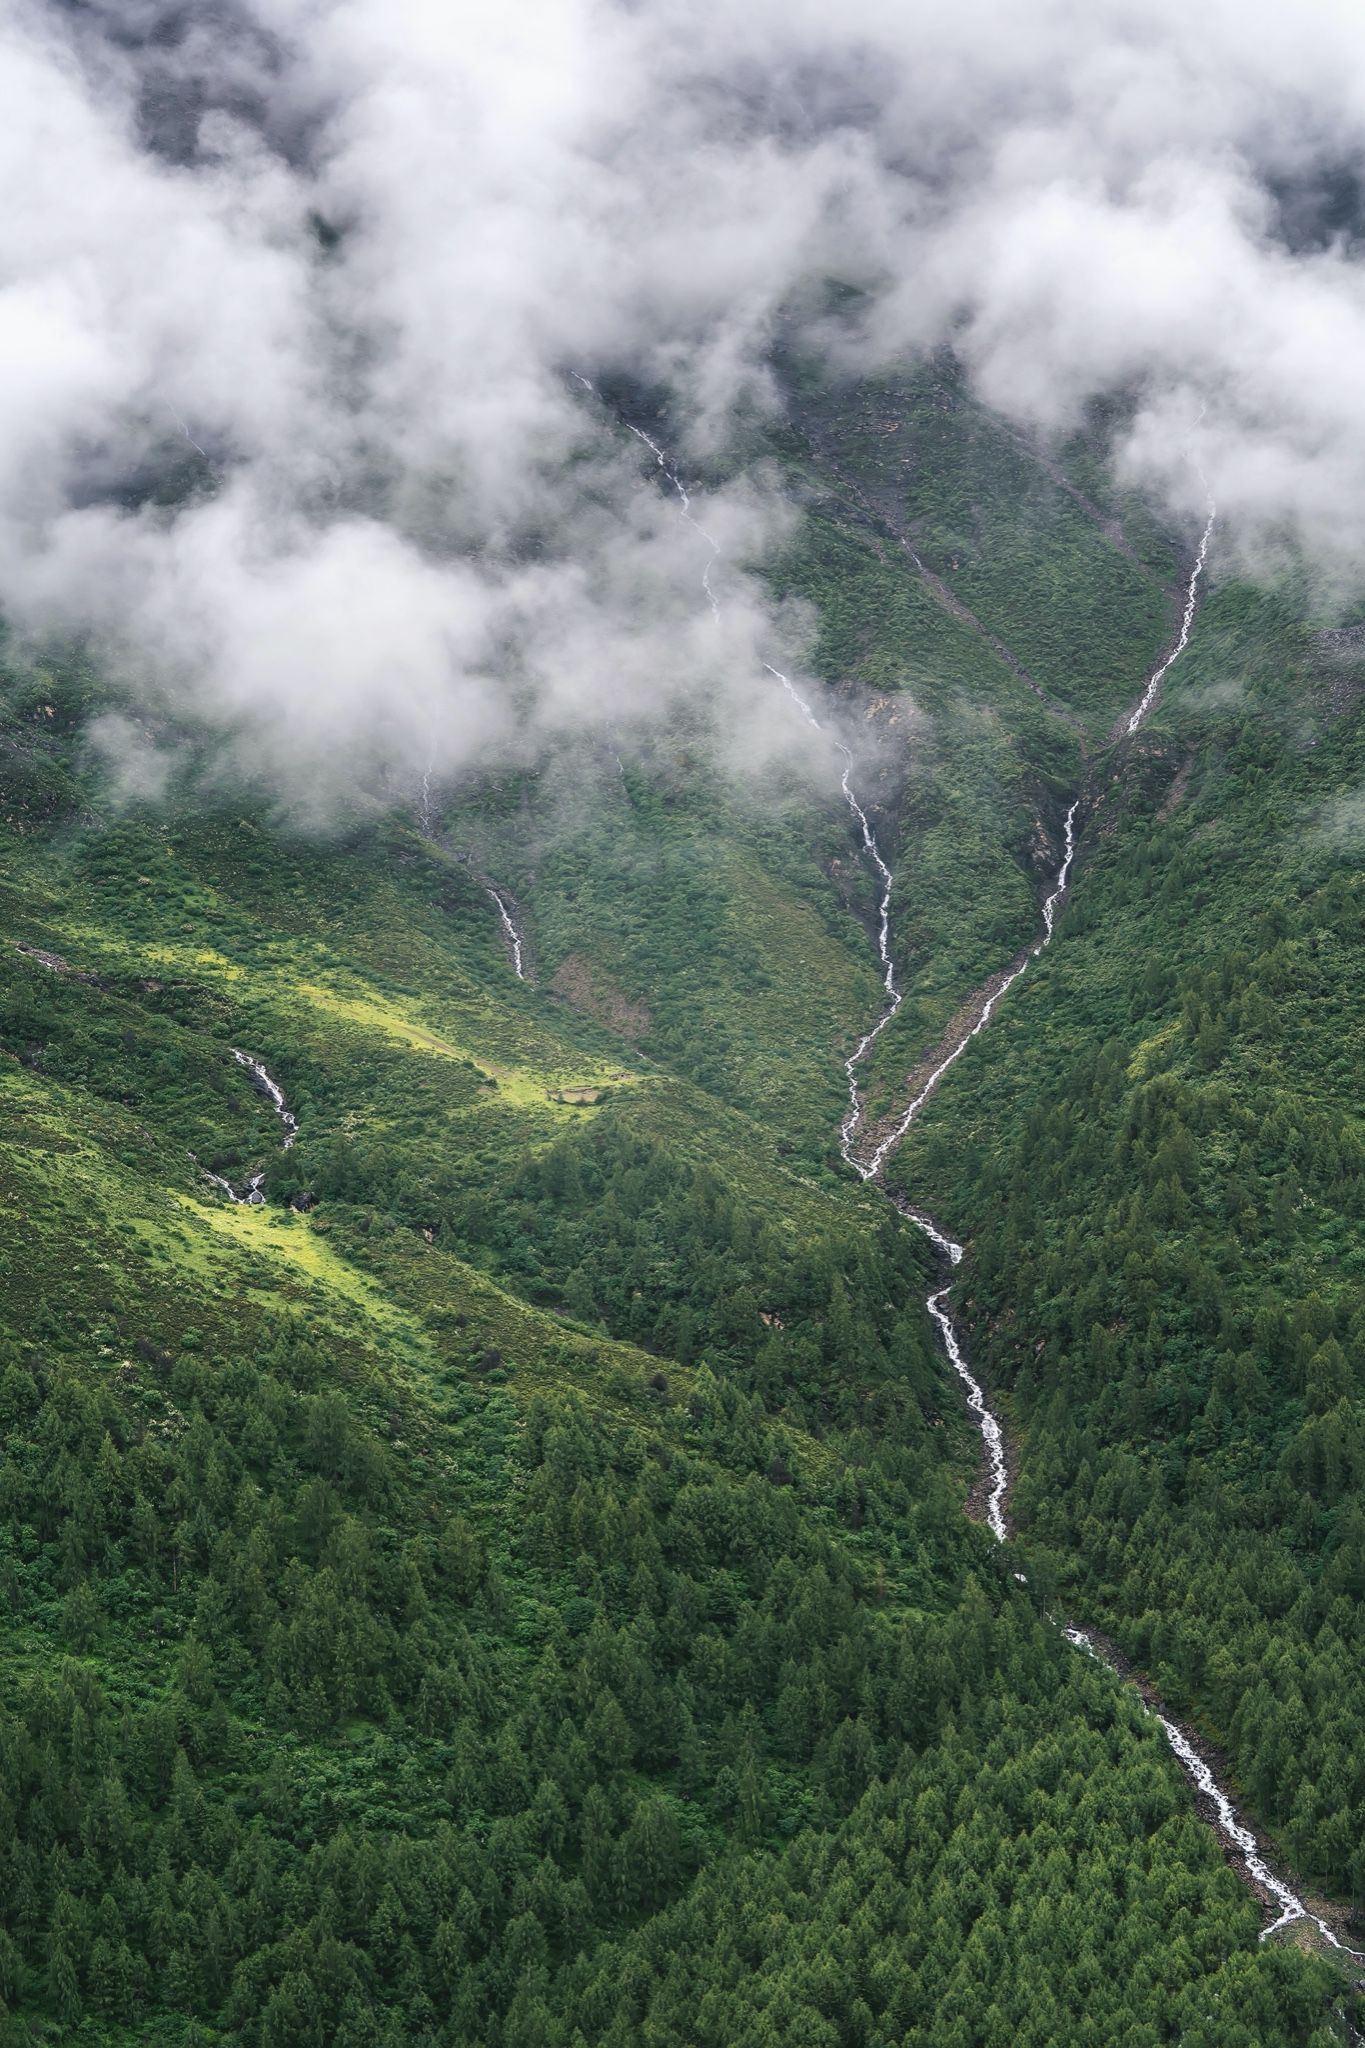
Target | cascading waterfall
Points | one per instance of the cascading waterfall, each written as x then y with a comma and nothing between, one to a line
1148,697
669,470
426,819
992,1436
849,1126
1197,1769
686,503
273,1091
1051,906
185,430
868,1169
512,935
254,1197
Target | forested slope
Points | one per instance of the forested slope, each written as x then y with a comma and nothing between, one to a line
1158,1156
522,1595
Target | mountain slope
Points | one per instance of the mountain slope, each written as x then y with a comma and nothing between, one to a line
1158,1157
523,1595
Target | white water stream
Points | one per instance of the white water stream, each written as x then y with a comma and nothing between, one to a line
254,1197
686,503
513,936
1290,1904
426,819
1197,1769
853,1118
1148,697
225,1187
273,1090
1051,907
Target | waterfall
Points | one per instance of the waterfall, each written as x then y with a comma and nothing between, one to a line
513,936
869,1168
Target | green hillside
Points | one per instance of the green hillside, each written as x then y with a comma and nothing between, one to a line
512,1586
1158,1155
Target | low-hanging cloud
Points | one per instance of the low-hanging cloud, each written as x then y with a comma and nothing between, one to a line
332,264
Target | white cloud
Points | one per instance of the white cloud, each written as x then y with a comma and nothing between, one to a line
421,544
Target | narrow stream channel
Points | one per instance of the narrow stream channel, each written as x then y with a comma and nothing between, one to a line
272,1091
510,932
427,822
869,1167
254,1197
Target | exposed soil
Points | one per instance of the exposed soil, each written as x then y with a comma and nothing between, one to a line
52,960
590,992
1175,795
54,963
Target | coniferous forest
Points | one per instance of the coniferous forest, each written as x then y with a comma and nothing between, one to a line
513,1584
495,1547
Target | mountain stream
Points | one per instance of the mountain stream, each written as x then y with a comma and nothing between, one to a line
510,932
254,1197
868,1164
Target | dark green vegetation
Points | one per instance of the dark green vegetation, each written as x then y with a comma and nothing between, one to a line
1163,1175
1004,733
526,1598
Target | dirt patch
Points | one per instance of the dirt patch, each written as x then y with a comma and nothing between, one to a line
575,980
44,959
54,963
1175,795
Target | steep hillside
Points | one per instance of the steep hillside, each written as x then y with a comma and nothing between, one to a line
511,1585
1157,1155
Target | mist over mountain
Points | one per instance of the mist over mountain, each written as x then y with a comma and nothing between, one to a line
293,308
682,995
